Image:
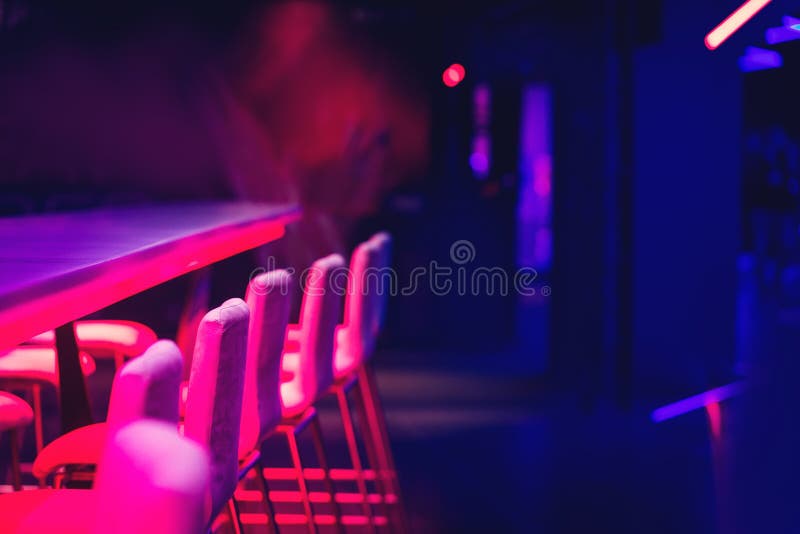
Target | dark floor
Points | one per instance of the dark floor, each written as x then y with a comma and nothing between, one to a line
488,452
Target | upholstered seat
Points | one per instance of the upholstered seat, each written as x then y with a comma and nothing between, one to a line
345,360
105,338
38,364
14,412
294,399
81,446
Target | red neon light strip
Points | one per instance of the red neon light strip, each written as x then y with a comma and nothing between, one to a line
735,20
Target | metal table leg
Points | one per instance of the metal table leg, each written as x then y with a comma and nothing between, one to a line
73,396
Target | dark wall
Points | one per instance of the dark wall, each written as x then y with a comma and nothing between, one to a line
688,122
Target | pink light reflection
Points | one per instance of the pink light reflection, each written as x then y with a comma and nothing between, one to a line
714,414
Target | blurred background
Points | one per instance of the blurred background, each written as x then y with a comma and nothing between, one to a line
650,184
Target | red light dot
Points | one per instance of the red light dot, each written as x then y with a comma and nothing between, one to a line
453,75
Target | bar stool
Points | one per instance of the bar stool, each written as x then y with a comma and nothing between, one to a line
146,387
268,299
313,374
119,340
15,414
27,368
149,479
356,342
214,400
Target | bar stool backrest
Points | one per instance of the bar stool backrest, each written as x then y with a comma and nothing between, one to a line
369,286
319,315
147,387
268,298
364,279
383,243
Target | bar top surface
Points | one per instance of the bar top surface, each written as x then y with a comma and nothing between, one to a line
55,268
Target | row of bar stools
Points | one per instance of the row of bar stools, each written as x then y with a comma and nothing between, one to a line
364,312
213,404
281,381
141,459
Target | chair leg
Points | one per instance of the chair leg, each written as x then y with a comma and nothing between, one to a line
16,475
375,418
377,423
355,457
319,447
301,480
264,488
383,486
36,389
119,360
235,516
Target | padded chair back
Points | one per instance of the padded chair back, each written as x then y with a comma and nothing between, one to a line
268,299
319,315
356,328
151,480
383,243
214,397
368,290
147,387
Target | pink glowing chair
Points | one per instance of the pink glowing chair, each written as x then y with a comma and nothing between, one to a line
149,479
365,306
268,299
214,399
27,368
355,342
313,374
365,312
365,309
106,339
15,414
313,339
146,387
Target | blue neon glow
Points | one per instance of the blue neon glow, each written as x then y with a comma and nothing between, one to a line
759,59
781,34
696,402
790,21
